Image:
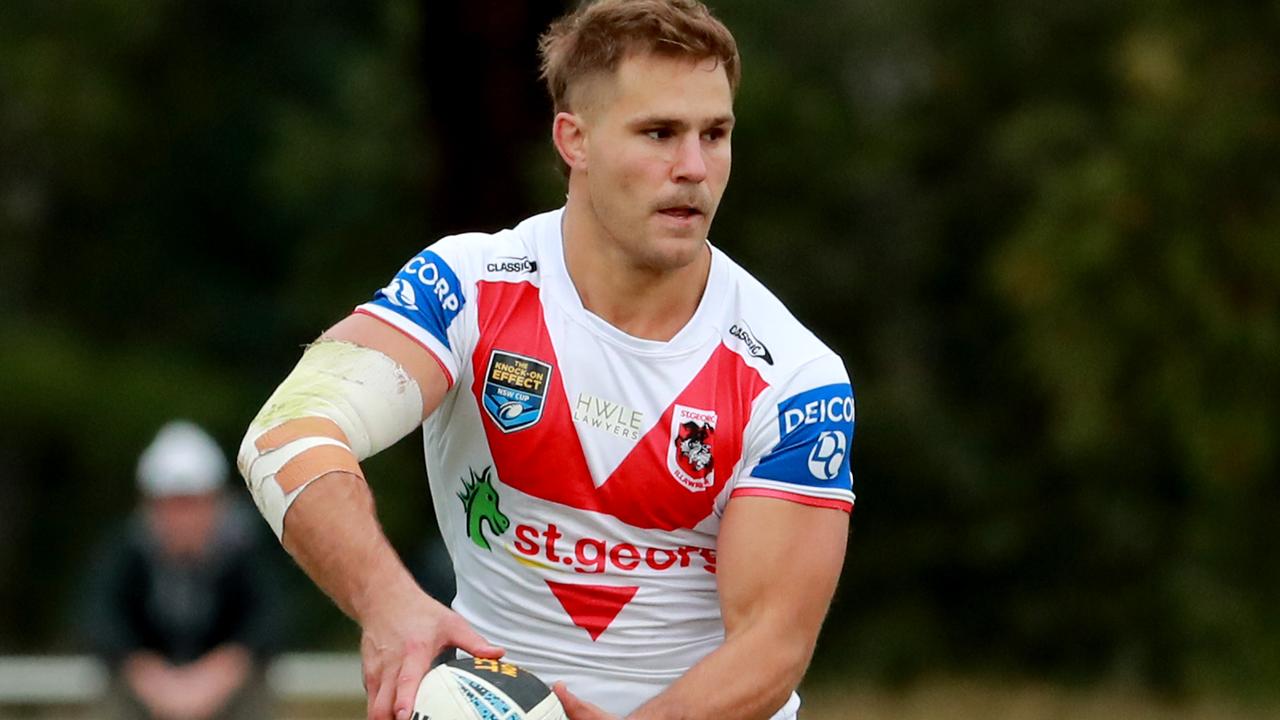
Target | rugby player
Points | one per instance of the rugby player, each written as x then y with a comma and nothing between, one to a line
639,460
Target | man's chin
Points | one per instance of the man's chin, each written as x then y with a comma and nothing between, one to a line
668,252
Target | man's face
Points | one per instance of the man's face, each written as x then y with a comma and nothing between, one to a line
184,524
658,156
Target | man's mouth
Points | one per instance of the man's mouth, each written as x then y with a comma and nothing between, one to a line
682,212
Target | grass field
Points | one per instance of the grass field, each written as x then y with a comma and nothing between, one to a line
972,700
938,700
962,700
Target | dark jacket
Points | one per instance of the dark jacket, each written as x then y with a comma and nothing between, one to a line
139,599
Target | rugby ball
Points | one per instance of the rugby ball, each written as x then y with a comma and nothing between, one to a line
510,411
481,689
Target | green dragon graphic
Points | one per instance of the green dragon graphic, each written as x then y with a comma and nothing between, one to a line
480,501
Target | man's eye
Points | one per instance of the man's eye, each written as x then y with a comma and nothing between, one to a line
658,133
713,134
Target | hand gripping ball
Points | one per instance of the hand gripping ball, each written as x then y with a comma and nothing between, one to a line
481,689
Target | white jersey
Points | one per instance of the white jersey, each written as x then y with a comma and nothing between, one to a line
579,474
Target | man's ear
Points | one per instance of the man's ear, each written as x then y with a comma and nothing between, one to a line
569,133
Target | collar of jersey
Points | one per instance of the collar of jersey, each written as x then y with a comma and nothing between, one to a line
559,287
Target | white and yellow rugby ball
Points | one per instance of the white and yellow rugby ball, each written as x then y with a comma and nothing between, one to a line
480,689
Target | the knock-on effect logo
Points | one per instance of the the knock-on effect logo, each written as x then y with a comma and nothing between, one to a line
689,456
515,388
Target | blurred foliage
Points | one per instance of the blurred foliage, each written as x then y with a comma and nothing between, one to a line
1044,236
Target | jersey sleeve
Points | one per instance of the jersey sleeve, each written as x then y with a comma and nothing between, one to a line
799,439
425,301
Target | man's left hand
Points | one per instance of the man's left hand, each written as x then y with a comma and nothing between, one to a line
578,709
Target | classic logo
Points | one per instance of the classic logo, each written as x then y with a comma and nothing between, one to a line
513,265
400,293
515,388
480,502
689,456
754,346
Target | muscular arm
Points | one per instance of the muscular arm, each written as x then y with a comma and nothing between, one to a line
331,530
777,567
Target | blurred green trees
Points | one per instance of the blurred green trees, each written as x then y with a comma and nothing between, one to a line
1045,237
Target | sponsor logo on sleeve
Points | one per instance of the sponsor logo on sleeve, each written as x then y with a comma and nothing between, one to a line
513,265
401,294
437,278
815,429
515,388
427,291
827,455
690,455
757,349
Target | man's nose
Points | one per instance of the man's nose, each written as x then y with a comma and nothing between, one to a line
690,165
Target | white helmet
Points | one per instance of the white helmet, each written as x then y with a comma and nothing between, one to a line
182,460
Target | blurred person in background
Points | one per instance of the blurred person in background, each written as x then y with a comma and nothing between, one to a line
180,605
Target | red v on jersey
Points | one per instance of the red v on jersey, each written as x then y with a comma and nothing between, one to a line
546,459
592,607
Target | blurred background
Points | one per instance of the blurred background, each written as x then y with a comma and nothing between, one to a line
1044,236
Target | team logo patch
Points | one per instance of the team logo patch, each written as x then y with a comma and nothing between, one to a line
515,388
689,456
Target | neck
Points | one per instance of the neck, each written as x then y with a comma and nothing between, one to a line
644,302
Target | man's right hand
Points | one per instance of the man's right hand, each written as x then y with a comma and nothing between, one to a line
403,634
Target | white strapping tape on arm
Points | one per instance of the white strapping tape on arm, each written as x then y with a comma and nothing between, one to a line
370,399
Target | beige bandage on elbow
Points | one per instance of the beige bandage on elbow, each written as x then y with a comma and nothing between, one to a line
340,405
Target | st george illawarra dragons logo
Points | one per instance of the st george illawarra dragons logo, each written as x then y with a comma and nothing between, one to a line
691,454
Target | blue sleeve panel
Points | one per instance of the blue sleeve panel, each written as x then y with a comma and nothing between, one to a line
426,291
815,432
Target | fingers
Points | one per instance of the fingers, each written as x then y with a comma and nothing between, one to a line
463,637
398,654
378,685
416,663
380,704
372,676
577,709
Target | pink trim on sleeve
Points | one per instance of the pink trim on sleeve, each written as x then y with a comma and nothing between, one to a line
809,500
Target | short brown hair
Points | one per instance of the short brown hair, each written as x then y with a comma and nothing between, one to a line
599,35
